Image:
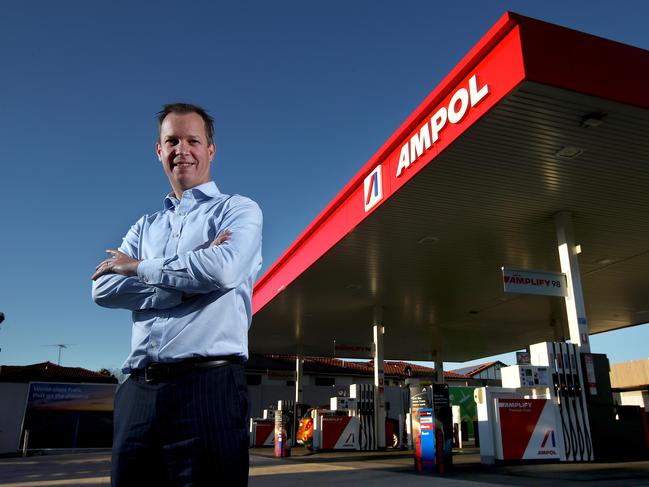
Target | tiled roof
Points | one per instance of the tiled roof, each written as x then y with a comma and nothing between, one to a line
407,369
327,365
322,365
49,372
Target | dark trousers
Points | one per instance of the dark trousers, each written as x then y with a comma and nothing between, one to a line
189,431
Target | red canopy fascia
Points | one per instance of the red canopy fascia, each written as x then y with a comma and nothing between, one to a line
514,50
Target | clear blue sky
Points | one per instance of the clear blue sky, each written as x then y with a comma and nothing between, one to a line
303,94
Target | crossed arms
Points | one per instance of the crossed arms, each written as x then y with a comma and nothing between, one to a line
124,281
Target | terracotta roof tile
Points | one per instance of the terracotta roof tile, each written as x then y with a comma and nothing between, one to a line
328,365
49,372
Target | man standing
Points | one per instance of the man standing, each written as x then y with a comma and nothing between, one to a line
186,273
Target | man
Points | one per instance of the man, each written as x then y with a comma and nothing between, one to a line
186,273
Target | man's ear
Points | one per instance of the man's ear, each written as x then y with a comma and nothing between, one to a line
211,150
158,151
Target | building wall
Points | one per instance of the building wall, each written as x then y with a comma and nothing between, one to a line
265,396
492,373
277,386
635,398
13,399
273,378
633,374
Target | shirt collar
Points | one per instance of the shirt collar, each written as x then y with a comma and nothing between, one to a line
201,192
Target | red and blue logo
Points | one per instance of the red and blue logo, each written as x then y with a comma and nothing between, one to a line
548,435
373,188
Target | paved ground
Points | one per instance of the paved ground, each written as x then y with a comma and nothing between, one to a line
303,469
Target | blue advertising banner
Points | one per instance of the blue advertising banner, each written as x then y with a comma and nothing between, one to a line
70,397
69,415
427,431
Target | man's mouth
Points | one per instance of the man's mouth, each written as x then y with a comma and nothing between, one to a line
181,164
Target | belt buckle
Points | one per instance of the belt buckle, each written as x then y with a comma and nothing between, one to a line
149,374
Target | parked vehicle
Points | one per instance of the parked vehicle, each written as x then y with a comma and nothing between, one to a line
304,435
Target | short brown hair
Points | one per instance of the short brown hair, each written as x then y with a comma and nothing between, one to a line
183,108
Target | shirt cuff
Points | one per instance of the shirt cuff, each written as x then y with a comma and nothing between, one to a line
149,271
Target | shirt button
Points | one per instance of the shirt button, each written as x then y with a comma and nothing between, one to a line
145,279
154,344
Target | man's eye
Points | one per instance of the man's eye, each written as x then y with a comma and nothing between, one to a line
172,141
194,142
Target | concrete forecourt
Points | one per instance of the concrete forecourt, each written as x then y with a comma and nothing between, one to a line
376,469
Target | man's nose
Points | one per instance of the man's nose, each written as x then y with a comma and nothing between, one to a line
181,149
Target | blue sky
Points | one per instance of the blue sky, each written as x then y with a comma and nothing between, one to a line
303,94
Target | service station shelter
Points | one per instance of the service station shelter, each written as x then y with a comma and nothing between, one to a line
529,160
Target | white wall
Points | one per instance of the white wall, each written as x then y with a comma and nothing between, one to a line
635,398
263,396
13,399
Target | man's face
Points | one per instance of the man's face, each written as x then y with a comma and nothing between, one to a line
184,151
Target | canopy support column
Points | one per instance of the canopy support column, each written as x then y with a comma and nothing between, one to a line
379,386
575,307
299,365
439,370
437,353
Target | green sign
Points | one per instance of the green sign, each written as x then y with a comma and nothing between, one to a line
463,397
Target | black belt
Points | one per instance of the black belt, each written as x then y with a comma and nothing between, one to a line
162,372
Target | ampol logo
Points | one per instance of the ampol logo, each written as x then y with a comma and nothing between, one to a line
548,447
373,186
350,440
548,435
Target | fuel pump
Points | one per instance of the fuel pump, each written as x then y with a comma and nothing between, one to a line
262,432
366,414
337,428
540,413
568,395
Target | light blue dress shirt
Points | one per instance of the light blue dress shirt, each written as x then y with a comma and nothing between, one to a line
189,298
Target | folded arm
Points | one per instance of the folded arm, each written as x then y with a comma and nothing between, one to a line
117,291
217,267
112,289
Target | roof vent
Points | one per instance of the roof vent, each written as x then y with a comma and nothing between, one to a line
569,152
428,239
592,120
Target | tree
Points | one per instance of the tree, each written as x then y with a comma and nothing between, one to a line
114,373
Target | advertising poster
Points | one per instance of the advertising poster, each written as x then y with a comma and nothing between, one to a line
528,429
66,415
417,403
428,429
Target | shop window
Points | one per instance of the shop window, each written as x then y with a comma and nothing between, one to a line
253,379
325,381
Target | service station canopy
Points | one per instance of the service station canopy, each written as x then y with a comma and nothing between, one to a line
536,119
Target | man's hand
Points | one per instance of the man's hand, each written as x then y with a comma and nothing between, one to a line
223,237
118,263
